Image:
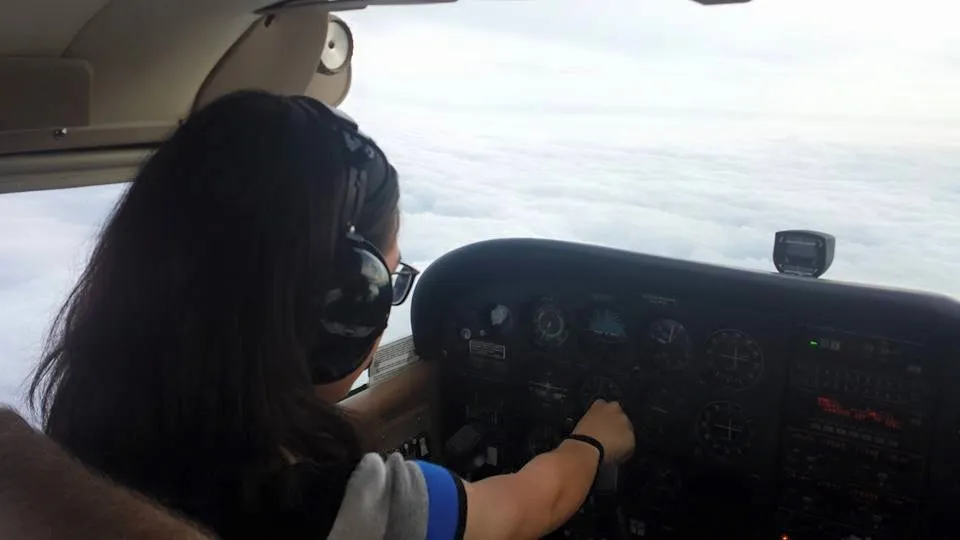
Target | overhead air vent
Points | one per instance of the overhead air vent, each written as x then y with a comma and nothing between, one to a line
338,50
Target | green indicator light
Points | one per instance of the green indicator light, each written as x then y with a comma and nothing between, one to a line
813,343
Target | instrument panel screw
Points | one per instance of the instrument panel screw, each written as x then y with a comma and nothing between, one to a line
59,133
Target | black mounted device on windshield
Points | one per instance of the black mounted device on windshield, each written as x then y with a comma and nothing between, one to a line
803,253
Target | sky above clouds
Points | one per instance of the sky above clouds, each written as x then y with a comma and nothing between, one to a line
658,126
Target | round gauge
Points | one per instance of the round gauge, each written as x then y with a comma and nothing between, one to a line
605,325
725,429
670,344
734,358
598,387
549,325
542,439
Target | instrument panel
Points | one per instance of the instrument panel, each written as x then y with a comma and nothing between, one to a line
765,406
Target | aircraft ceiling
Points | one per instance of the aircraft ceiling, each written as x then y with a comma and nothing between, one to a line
88,87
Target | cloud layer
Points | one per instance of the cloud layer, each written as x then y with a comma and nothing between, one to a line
655,126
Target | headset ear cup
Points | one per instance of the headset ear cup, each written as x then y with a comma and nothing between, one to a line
355,311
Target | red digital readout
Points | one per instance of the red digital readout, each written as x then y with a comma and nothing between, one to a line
884,418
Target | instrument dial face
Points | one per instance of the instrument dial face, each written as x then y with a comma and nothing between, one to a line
670,343
725,430
734,358
549,325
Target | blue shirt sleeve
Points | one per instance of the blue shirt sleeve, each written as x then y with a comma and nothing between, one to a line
447,503
390,498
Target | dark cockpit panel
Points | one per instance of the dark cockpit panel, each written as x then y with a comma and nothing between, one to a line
765,405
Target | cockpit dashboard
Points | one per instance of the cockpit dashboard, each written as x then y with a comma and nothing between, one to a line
766,406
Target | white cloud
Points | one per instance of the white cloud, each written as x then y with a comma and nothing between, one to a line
859,57
658,126
674,129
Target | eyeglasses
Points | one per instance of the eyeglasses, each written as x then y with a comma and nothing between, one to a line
403,280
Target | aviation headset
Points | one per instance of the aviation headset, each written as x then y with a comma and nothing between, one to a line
356,307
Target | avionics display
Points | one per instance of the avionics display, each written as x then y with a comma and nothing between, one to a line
856,411
866,415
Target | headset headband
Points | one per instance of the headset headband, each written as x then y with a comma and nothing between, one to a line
357,303
354,197
364,160
360,154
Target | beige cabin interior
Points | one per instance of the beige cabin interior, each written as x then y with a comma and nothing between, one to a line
87,87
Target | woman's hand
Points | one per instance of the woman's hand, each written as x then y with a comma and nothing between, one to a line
606,422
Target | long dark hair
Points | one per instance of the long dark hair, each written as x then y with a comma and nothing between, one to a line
177,366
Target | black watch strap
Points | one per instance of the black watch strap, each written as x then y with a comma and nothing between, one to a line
592,442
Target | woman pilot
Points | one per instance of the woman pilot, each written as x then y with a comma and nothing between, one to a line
236,293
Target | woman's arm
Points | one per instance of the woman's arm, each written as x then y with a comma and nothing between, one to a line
536,500
44,493
546,492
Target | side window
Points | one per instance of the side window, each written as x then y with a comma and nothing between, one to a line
45,239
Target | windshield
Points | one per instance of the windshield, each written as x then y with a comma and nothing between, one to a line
656,126
673,129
